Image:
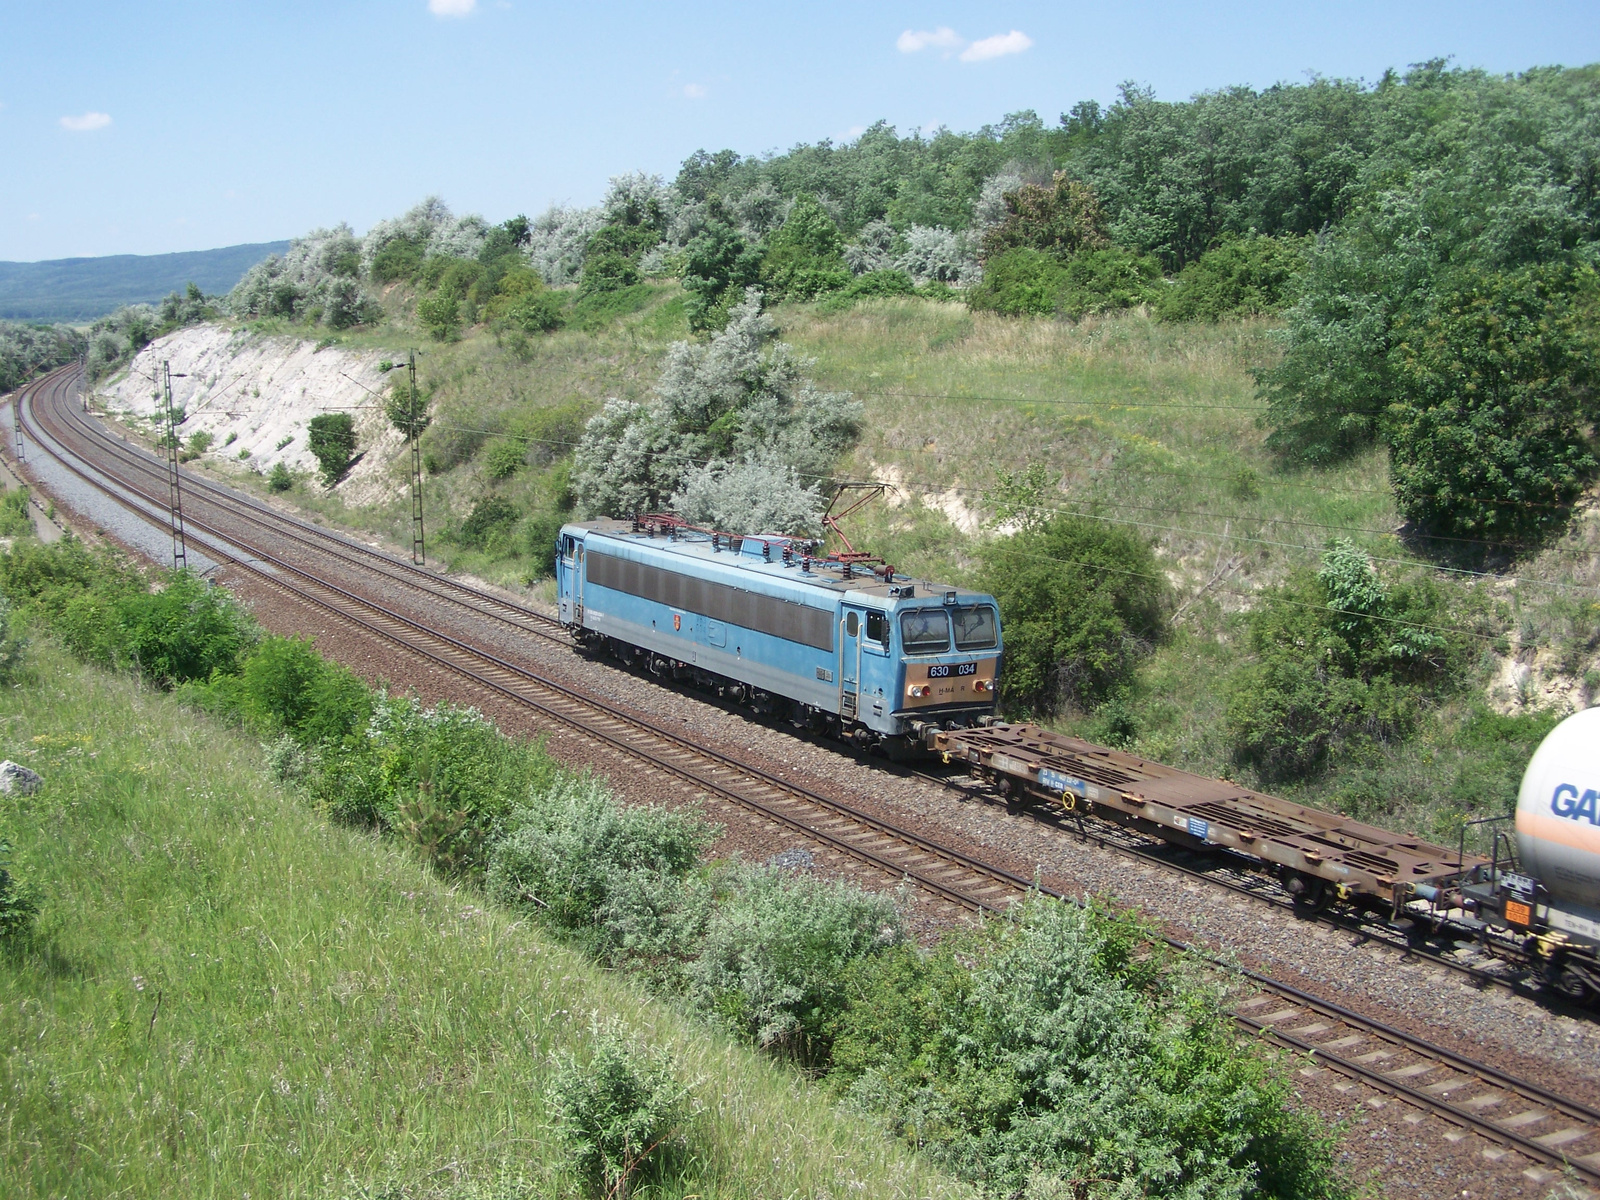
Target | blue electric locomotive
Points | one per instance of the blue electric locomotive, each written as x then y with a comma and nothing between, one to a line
845,646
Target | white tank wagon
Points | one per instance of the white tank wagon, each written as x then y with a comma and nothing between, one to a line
1558,814
1540,906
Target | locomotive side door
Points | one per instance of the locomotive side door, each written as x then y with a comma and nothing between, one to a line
578,574
571,566
850,661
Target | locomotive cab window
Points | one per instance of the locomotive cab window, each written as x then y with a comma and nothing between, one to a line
567,544
925,631
975,627
878,628
852,624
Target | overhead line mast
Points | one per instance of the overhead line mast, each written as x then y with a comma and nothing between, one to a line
419,551
180,551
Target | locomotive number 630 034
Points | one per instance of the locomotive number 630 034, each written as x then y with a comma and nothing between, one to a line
945,670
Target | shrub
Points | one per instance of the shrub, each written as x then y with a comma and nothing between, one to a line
331,438
13,644
1019,282
805,256
488,525
197,445
189,630
279,479
1081,602
1239,277
407,413
772,963
1059,1047
539,533
1340,658
1061,220
504,457
16,515
440,316
50,576
399,259
621,1111
611,259
542,312
454,758
882,283
1107,280
569,850
284,684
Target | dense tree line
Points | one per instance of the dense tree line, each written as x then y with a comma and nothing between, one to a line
1430,238
28,350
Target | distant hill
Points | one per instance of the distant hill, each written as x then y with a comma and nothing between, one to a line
81,289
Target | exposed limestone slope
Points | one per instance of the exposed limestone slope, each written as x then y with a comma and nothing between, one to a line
263,391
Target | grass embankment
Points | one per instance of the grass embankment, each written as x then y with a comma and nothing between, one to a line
227,995
1156,428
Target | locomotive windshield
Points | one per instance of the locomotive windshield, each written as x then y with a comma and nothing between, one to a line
925,631
975,628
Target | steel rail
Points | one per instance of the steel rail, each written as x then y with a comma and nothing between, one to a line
531,621
992,876
715,759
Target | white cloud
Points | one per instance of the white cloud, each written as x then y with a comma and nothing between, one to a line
997,46
452,8
943,38
695,91
89,121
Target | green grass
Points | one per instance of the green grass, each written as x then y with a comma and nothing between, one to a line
228,996
1157,427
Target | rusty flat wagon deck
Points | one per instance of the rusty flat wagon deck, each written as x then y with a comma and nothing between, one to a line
1310,848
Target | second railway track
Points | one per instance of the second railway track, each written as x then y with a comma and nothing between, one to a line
531,622
1510,1112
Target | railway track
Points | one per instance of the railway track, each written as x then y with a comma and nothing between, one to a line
1513,1114
942,871
1216,872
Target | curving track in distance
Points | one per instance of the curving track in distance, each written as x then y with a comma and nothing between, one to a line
256,539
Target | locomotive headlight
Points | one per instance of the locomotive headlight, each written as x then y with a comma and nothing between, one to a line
982,685
917,690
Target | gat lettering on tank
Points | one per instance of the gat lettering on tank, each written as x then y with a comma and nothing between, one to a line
1567,803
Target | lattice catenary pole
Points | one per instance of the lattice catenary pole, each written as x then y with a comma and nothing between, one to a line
180,551
419,550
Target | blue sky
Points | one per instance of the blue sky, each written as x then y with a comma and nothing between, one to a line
143,128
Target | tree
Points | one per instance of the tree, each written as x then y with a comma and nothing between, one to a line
331,438
718,266
440,316
1489,432
1081,602
806,256
742,399
1061,220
